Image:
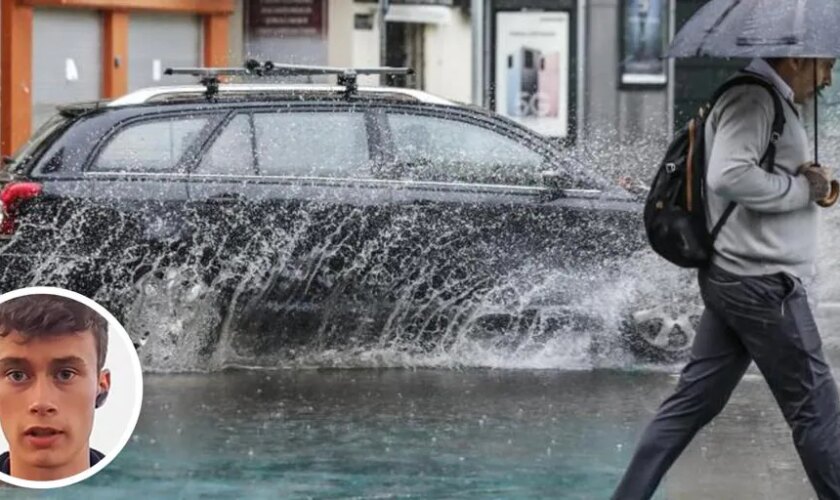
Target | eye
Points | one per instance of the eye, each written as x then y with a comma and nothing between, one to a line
65,375
16,376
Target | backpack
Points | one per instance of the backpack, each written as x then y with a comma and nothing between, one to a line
675,210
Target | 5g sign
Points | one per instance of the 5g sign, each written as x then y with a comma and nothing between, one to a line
535,104
532,69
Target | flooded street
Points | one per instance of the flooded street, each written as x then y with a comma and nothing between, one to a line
432,434
370,251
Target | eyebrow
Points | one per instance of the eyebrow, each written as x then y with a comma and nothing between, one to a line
14,362
69,360
10,362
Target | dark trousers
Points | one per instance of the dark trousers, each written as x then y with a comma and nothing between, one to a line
765,319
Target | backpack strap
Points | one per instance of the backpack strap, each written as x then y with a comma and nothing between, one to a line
769,157
778,128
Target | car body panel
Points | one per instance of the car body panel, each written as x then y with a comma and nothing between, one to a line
380,255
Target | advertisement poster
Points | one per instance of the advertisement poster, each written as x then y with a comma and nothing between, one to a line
645,36
532,69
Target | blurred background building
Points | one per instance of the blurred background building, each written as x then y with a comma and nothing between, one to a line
587,72
54,52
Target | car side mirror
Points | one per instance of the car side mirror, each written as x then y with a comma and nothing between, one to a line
555,180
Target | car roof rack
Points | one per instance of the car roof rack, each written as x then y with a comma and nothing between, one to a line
347,77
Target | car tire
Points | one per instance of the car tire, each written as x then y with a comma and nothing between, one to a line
170,300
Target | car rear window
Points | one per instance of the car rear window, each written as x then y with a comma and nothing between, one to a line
37,140
152,146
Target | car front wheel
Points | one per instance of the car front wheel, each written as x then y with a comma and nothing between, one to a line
661,333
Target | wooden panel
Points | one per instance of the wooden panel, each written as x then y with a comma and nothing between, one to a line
15,76
115,54
216,40
196,6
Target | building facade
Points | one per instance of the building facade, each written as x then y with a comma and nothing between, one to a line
54,52
589,73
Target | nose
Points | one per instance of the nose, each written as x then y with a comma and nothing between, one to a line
42,402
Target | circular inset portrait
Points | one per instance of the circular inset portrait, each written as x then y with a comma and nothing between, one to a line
71,387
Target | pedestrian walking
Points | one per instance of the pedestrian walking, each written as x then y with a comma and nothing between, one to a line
763,258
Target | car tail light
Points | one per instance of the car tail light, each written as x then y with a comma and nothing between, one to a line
11,196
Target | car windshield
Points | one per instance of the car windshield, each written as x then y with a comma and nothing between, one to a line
36,140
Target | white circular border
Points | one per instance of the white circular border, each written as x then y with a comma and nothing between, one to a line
138,398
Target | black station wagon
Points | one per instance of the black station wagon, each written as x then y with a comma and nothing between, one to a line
246,222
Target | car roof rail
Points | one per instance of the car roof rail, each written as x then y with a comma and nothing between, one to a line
347,77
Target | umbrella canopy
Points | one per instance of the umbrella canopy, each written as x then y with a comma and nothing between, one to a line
765,28
761,28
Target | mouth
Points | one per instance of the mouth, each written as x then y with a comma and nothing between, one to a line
42,437
41,431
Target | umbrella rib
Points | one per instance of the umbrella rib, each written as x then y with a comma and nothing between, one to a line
717,23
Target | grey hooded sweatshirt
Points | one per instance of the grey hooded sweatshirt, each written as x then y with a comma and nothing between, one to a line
774,227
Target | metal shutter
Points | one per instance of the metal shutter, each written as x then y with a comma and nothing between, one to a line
159,41
67,59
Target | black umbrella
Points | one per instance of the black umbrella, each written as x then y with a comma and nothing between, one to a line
764,28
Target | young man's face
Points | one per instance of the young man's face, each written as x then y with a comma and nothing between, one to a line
48,388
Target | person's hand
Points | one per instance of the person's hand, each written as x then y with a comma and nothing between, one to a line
819,179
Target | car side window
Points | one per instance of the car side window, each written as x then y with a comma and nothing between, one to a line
430,148
151,146
232,152
312,144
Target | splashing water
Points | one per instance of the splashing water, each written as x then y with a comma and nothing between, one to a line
325,285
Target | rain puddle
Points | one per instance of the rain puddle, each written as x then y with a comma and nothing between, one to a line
431,434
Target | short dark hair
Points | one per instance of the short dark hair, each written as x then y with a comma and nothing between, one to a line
46,315
774,61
